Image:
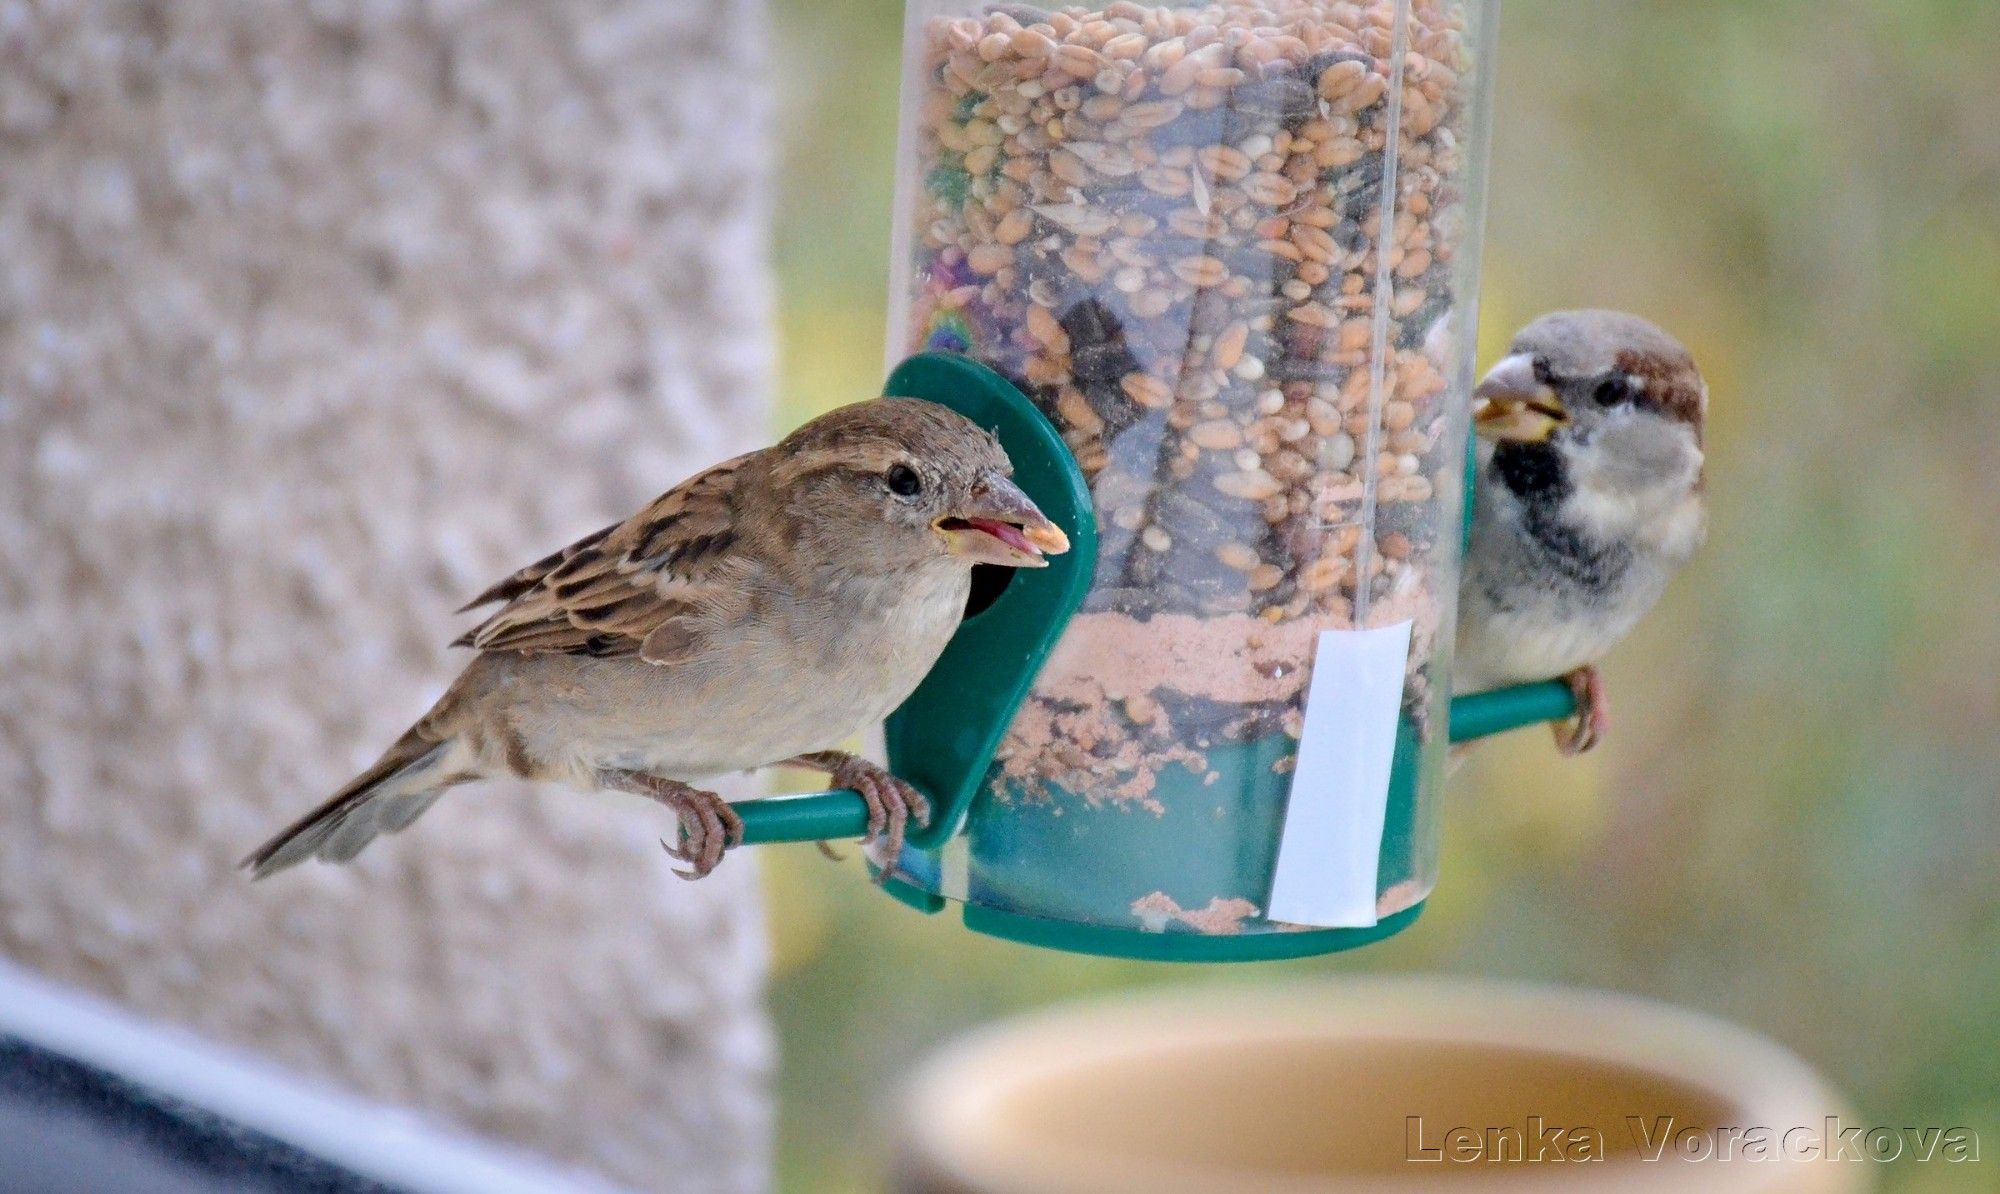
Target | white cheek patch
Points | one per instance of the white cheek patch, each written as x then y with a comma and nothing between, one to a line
1632,473
1598,509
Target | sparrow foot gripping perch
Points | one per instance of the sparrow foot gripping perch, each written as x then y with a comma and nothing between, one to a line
1593,713
892,804
708,824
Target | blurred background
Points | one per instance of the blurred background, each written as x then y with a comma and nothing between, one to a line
1796,821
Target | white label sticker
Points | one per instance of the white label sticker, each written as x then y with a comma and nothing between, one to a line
1331,844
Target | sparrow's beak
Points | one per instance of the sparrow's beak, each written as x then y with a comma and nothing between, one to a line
1512,405
1000,525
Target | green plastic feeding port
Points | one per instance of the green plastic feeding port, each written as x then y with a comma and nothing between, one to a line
1176,872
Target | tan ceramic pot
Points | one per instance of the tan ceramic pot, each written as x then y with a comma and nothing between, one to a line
1378,1085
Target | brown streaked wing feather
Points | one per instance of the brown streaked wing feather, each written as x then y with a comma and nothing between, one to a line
527,578
669,566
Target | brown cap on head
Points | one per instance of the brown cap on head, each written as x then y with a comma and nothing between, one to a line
907,479
874,434
1590,343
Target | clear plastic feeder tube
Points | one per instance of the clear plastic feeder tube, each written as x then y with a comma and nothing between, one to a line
1231,250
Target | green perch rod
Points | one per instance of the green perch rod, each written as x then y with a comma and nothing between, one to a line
823,816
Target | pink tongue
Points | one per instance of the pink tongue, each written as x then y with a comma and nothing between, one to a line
1005,532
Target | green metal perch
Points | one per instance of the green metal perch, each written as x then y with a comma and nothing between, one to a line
822,816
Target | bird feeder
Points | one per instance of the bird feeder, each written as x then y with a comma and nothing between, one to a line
1208,271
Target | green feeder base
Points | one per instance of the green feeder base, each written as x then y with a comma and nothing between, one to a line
1106,941
1109,942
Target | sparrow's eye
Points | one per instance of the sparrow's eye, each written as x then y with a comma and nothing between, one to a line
1612,390
903,481
1543,373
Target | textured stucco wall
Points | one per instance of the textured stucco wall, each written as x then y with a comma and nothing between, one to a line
314,319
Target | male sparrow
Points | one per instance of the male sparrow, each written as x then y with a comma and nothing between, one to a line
758,613
1588,499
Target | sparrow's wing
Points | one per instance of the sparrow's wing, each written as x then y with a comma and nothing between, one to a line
652,586
527,578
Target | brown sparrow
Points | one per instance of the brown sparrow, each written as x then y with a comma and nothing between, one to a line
760,612
1588,499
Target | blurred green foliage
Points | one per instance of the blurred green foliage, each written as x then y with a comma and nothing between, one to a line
1796,822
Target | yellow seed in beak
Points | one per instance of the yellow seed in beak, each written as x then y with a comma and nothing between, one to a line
1514,420
1513,405
1047,536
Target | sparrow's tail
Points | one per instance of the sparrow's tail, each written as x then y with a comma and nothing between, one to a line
383,799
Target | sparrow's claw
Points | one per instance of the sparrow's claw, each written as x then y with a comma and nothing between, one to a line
892,804
1593,713
708,826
